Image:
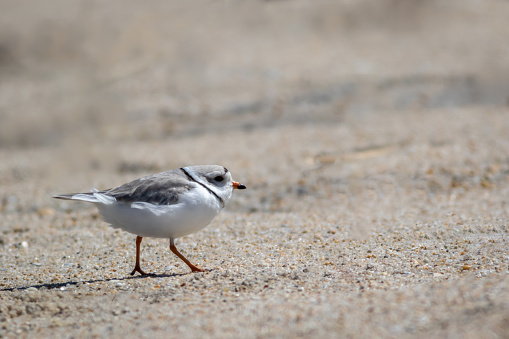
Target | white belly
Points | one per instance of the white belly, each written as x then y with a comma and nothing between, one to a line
194,211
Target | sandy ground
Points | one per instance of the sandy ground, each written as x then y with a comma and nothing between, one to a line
373,139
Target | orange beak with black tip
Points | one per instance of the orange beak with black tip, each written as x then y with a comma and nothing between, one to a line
238,186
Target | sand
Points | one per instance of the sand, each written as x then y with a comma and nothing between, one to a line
372,139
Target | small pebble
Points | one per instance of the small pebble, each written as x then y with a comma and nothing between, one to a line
45,212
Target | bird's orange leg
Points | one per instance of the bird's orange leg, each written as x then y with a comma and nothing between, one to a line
191,266
137,266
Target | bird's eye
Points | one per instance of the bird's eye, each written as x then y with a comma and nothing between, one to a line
219,178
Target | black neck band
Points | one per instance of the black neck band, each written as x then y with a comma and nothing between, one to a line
199,183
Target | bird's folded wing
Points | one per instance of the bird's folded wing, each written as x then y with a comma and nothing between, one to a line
158,189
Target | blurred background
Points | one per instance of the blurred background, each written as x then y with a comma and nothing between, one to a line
93,93
372,136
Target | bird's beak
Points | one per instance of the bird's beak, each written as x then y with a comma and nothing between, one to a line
238,186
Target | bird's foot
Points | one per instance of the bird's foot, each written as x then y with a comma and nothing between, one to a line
139,270
196,269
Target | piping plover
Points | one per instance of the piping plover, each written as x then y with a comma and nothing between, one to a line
170,205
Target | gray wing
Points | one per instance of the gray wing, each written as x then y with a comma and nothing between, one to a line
158,189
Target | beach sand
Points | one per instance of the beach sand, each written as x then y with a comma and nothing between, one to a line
373,139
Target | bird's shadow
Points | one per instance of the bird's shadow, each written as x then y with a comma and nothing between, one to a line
50,286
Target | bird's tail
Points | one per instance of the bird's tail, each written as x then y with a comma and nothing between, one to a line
64,196
88,197
93,197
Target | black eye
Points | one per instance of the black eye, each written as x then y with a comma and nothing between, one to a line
219,178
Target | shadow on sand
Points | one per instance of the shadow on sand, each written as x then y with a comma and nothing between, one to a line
49,286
